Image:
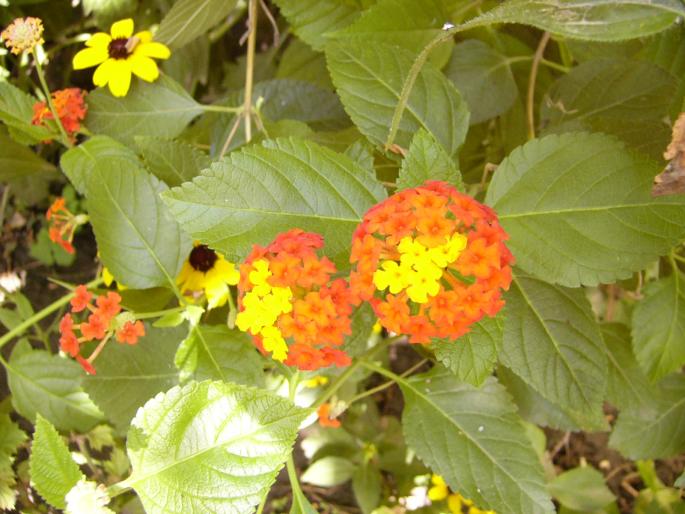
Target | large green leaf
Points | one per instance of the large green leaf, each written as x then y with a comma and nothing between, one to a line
474,439
189,19
210,447
11,436
579,211
659,326
252,195
300,62
551,341
628,385
311,20
138,241
53,471
217,353
18,162
483,76
598,20
654,430
427,160
161,109
173,162
369,80
16,111
612,96
50,385
136,373
404,23
472,357
81,162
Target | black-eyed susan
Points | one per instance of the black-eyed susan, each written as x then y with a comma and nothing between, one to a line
119,54
208,271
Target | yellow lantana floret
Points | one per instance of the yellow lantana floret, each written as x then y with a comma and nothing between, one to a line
119,54
273,342
439,490
392,275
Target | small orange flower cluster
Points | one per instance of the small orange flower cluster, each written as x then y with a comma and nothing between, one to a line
431,261
105,319
291,305
70,106
325,418
62,224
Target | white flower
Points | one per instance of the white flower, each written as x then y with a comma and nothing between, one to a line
87,498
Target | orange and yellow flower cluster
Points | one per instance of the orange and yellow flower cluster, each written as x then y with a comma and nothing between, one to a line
431,261
105,319
70,106
292,306
62,224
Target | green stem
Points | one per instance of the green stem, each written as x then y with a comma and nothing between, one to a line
159,314
345,375
48,98
249,69
223,108
382,371
24,325
262,504
294,479
387,384
408,85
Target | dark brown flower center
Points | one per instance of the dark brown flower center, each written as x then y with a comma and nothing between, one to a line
118,48
202,258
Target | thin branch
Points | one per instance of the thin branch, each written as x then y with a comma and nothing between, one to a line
531,84
249,71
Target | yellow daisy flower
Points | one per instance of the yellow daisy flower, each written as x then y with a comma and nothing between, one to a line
208,271
119,54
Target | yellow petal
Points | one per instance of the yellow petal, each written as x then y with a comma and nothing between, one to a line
144,67
120,77
122,29
144,36
99,39
89,57
103,73
153,49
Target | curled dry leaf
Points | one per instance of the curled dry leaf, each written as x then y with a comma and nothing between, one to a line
672,179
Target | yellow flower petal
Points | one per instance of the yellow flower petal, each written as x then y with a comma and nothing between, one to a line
103,73
122,29
152,49
89,57
144,36
120,78
437,493
99,39
144,67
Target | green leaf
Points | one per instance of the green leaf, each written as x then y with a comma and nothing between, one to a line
581,489
249,197
579,211
367,484
363,319
329,472
483,76
311,20
159,109
659,326
50,385
18,161
475,441
628,385
301,504
109,11
47,252
189,19
599,20
173,162
427,160
81,162
300,62
404,23
53,471
138,240
535,408
680,481
217,353
552,341
612,96
189,66
472,357
369,80
210,447
11,436
655,430
16,111
136,373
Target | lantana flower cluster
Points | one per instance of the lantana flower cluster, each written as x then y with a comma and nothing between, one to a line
62,224
70,106
292,305
105,319
23,34
431,261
